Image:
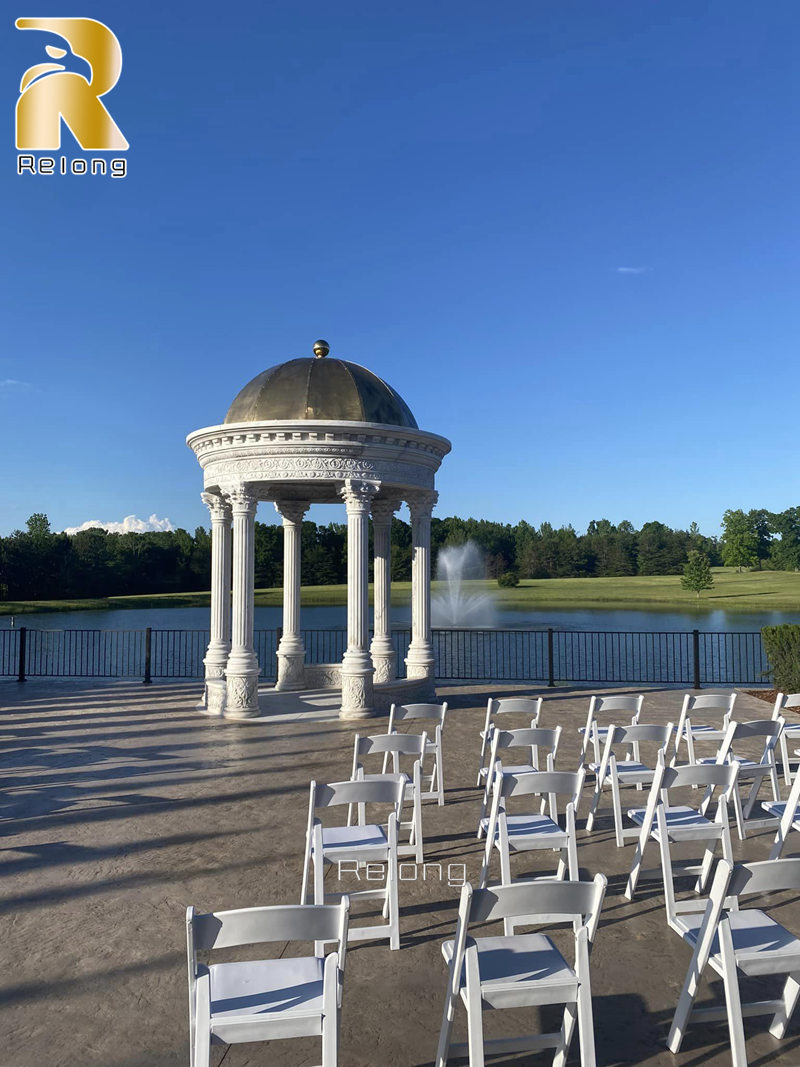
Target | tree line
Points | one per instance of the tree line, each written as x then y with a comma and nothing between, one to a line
37,564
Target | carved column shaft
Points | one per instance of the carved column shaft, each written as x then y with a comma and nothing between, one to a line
219,645
384,657
242,671
420,652
357,669
291,653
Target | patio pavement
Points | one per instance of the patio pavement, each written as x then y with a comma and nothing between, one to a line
121,806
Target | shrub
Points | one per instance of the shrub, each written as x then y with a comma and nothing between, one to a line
782,647
508,579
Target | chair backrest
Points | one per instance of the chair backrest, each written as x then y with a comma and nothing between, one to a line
624,702
251,926
529,706
543,901
534,738
769,729
712,775
709,702
406,712
785,700
637,732
389,790
394,745
539,783
765,876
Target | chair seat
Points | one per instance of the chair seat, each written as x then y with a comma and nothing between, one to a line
745,765
354,842
708,732
285,993
682,822
758,941
778,808
511,968
602,731
525,829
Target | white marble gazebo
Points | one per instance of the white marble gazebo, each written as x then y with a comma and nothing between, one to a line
315,431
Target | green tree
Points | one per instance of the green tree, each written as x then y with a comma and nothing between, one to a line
697,573
739,540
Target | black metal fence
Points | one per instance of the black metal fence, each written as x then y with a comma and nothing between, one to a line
692,658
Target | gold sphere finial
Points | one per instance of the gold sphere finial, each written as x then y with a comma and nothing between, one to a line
321,349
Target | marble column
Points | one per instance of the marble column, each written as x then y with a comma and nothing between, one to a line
219,645
242,671
384,657
357,669
291,653
419,661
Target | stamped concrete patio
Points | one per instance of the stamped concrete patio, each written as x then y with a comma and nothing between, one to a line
120,807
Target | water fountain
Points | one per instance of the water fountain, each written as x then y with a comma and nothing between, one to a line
456,605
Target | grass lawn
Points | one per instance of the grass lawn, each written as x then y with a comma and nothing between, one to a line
748,591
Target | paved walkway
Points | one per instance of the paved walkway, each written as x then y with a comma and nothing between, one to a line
121,806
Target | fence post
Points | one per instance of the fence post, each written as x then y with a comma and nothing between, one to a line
696,657
148,655
551,679
23,641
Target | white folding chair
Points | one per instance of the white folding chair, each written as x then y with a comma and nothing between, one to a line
786,814
396,746
534,739
595,732
521,970
734,940
366,844
629,771
791,730
751,771
266,1000
528,708
532,831
433,783
672,824
690,730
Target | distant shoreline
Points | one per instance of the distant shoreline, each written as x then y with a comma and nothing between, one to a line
746,592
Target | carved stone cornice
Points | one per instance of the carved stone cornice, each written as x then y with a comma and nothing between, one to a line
358,496
384,509
218,506
291,511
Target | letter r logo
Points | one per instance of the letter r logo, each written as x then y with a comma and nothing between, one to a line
49,92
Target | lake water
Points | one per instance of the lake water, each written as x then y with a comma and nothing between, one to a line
335,618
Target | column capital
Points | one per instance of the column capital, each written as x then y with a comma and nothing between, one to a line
218,506
421,503
358,496
291,511
384,509
243,500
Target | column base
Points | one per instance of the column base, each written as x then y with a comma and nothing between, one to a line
214,664
357,693
214,698
290,670
385,665
242,694
420,662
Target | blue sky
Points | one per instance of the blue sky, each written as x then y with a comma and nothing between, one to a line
448,194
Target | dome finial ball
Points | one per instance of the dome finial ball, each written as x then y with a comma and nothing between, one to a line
321,349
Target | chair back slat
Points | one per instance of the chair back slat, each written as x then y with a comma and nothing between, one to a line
766,876
545,898
710,701
516,705
758,728
249,926
708,774
528,737
560,783
387,791
625,702
402,744
631,735
402,712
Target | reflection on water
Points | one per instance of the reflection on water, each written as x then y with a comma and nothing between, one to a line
335,618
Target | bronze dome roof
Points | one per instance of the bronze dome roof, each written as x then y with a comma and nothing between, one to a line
332,390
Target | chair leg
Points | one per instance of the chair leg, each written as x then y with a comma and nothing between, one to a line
787,771
394,904
567,1030
319,879
617,803
733,1000
636,866
595,804
782,1018
680,1020
440,776
475,1030
448,1016
201,1039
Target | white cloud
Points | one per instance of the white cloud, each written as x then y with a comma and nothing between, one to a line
130,524
633,270
12,383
